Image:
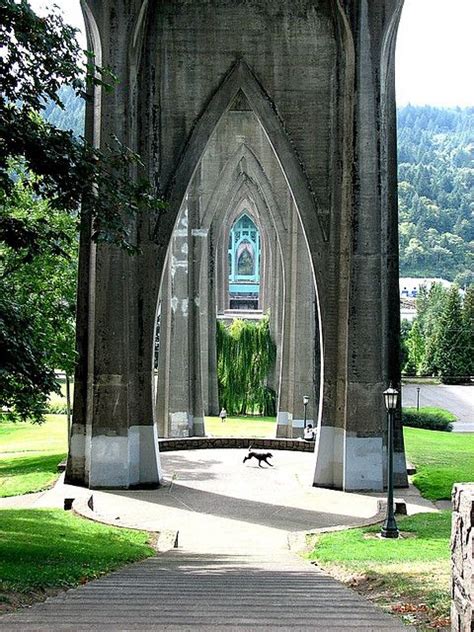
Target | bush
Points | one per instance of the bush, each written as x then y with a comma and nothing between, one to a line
57,408
428,418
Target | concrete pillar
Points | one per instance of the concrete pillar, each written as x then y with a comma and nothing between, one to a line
357,448
113,440
298,340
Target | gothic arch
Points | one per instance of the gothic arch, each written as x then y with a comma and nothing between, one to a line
327,111
240,77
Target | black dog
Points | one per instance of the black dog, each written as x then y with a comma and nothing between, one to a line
260,456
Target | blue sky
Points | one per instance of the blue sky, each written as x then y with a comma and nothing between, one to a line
435,50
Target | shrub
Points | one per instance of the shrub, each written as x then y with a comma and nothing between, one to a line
57,408
428,418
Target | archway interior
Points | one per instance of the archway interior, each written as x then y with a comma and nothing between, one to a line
238,245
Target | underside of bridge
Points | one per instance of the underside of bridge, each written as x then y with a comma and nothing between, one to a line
269,129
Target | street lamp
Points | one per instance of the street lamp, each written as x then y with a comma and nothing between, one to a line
390,529
305,404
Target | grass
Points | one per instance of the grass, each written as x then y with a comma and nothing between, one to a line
49,548
251,426
441,459
30,455
408,576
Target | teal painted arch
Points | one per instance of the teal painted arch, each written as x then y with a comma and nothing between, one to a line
244,251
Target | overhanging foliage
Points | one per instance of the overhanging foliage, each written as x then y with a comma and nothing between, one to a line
245,356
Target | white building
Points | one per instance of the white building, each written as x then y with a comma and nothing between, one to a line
410,286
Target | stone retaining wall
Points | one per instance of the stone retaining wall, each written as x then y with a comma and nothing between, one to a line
201,443
462,558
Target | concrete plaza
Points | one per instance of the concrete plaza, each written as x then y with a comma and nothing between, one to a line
233,567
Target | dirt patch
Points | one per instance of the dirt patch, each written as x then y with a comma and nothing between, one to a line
403,535
411,610
11,600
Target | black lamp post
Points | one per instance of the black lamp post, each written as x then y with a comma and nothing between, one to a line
390,529
305,404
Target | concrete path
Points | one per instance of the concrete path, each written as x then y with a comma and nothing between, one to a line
457,398
182,591
233,568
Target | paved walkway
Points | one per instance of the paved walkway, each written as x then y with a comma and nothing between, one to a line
233,568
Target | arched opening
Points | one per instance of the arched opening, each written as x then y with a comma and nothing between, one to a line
244,264
238,249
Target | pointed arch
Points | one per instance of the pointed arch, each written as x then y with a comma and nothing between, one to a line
241,78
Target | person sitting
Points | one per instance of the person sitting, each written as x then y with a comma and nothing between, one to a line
309,433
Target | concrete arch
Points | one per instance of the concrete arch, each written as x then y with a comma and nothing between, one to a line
240,77
318,82
254,172
246,190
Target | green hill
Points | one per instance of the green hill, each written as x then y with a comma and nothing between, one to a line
436,192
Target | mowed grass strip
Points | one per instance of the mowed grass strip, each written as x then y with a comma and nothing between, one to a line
441,459
249,426
30,454
27,474
51,436
51,548
410,575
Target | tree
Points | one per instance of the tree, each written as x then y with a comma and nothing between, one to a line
436,173
468,324
40,289
452,340
429,304
245,356
416,348
39,56
407,367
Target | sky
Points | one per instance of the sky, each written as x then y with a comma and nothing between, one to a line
435,50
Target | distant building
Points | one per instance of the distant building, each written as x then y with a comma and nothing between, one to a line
410,286
409,289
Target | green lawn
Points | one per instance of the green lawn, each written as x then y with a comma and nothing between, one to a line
51,548
409,576
251,426
413,570
441,459
29,455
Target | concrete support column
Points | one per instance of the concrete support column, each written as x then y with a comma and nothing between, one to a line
163,376
358,447
178,351
298,353
196,237
207,320
113,440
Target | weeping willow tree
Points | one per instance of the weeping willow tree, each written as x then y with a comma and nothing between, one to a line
245,356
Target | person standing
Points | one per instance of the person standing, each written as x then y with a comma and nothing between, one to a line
223,414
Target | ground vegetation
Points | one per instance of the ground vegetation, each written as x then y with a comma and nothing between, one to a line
45,550
429,418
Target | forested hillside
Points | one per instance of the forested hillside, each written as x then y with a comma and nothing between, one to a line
72,116
436,192
436,186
